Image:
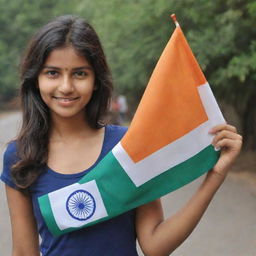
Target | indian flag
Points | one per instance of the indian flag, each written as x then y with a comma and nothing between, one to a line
166,146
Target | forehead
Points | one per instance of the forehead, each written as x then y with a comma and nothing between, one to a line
65,57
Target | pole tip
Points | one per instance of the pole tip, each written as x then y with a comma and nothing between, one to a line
173,16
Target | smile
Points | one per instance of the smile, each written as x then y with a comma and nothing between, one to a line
65,99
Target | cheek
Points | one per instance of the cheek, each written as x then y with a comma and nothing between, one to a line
44,86
86,88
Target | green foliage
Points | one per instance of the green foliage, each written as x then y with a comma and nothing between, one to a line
133,40
134,33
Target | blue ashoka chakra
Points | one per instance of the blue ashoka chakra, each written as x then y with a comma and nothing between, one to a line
80,205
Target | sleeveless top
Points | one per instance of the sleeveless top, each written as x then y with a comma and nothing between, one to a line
114,237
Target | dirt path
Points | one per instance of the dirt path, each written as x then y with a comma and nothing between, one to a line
227,229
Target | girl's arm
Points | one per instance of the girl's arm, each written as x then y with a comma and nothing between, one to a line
24,231
159,237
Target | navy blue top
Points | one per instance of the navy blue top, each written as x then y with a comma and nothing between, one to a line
115,237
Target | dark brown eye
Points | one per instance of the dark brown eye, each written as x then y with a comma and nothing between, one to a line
80,74
51,73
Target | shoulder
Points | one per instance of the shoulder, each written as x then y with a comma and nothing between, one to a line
10,154
9,158
113,134
116,131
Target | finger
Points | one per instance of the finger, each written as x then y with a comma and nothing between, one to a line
229,144
226,134
221,127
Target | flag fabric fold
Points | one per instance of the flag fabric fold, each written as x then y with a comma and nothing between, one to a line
166,146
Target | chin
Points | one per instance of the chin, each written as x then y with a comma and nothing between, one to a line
68,114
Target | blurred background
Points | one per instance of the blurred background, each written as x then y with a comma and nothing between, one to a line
221,34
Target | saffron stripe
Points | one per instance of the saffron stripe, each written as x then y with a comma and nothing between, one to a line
177,151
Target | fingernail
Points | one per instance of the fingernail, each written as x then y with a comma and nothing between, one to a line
217,148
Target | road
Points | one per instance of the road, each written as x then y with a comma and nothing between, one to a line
227,229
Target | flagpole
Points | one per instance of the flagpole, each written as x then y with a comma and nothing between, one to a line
173,16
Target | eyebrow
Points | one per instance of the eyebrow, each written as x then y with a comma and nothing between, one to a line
75,69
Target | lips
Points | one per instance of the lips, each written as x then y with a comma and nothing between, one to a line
65,99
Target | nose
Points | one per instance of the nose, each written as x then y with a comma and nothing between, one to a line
66,85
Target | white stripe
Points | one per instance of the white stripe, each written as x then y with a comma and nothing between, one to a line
176,23
58,200
170,155
210,105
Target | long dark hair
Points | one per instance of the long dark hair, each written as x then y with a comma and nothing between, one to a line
33,138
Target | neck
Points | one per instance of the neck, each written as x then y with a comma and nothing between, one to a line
69,128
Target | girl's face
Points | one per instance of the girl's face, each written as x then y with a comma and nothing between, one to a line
66,83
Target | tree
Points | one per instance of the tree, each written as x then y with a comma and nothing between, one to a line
134,33
224,40
18,21
221,34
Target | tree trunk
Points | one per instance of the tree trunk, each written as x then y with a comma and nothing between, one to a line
249,123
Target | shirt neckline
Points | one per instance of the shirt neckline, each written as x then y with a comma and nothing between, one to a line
79,174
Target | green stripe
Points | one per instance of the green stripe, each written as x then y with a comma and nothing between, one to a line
119,193
46,210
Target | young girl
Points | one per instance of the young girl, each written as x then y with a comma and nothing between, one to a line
65,91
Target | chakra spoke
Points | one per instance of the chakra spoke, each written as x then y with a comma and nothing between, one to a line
80,205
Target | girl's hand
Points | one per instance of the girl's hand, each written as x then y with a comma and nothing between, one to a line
230,142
